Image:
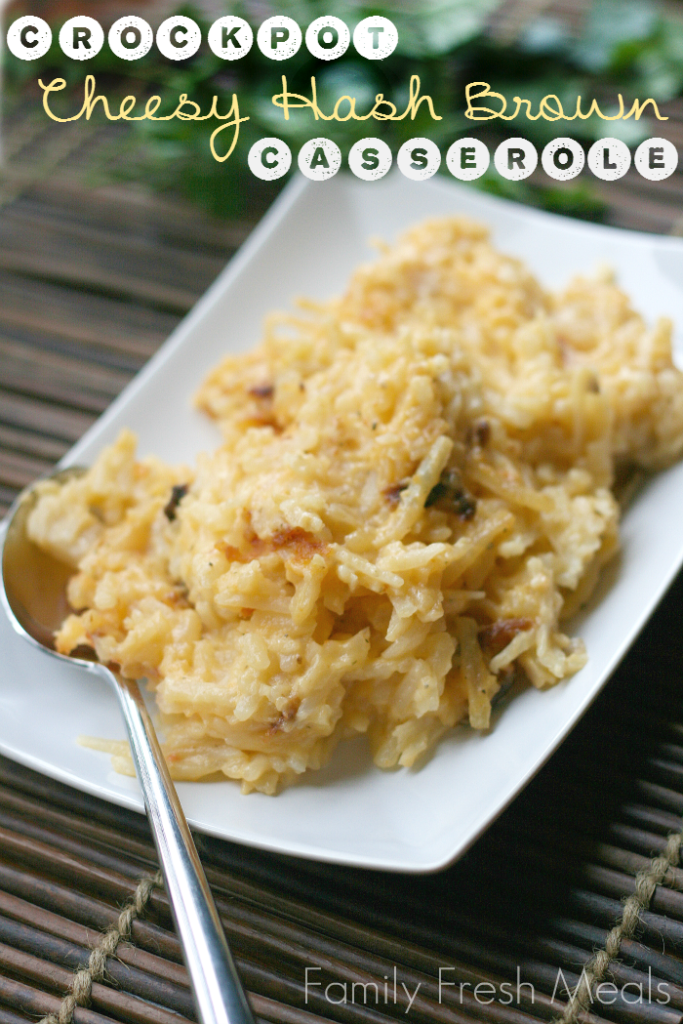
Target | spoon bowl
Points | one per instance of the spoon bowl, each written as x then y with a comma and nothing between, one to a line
33,595
34,581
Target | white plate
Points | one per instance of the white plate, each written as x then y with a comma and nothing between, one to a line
351,812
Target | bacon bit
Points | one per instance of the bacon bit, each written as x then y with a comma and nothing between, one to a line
263,421
262,391
497,636
282,719
83,651
178,492
479,433
232,553
392,494
302,543
178,597
257,546
246,613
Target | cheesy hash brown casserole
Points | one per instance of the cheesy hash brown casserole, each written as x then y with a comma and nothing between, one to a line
412,491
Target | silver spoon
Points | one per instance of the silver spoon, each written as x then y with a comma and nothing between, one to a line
33,595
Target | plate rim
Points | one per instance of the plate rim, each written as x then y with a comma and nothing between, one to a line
296,190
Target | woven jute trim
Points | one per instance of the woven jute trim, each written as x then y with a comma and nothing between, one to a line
646,881
84,978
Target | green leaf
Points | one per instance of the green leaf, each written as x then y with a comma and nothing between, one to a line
439,26
610,24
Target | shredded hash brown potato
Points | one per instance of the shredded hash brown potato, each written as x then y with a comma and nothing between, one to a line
413,489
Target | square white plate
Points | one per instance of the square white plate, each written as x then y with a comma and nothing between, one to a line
351,812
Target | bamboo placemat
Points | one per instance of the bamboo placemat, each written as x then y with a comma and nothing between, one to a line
91,282
537,895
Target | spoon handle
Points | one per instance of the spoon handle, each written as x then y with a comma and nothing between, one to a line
217,989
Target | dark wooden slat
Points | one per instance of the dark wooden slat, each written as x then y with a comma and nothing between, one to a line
19,470
25,227
93,320
32,965
585,848
274,1012
82,275
136,212
274,983
69,843
640,960
63,253
36,414
89,877
559,953
631,208
267,1009
397,952
255,936
592,938
34,1003
325,921
107,359
45,448
17,377
52,792
659,208
80,935
659,796
293,992
143,991
66,900
21,360
8,1017
601,879
7,496
259,935
655,928
33,811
